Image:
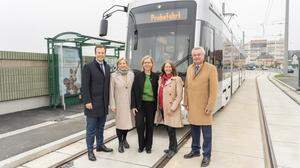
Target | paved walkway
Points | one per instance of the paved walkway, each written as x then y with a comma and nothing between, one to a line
129,159
237,140
283,119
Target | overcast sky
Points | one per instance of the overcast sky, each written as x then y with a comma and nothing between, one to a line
25,24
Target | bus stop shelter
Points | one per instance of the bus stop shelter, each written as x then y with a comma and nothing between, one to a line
65,62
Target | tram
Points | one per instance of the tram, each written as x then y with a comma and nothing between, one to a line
169,29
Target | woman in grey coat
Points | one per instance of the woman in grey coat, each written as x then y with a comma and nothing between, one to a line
120,100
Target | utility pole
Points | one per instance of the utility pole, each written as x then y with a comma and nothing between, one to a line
286,37
263,30
227,14
243,38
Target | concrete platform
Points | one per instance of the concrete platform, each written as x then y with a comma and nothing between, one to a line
130,158
237,139
283,119
237,136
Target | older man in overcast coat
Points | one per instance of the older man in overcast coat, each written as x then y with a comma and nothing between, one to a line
201,88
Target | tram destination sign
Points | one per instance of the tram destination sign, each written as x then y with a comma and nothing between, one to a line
161,16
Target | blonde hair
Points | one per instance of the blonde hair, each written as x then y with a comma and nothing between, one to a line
145,58
122,59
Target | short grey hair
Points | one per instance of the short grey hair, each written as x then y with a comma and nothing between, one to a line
199,48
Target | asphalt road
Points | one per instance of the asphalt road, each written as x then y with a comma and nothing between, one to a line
23,141
18,120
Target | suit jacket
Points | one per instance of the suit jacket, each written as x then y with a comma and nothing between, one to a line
95,88
138,89
200,93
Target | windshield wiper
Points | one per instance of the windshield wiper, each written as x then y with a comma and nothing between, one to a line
181,61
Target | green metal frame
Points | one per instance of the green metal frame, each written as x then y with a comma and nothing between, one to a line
73,39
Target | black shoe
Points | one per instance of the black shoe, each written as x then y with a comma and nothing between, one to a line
126,145
140,150
166,150
170,154
175,150
103,148
205,162
91,156
148,151
191,155
121,148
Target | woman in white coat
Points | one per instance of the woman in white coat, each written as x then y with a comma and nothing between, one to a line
120,100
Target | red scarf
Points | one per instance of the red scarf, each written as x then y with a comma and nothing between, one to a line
164,79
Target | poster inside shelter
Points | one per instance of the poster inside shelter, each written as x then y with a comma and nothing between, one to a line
69,70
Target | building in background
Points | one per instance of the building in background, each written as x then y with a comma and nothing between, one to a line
264,52
275,48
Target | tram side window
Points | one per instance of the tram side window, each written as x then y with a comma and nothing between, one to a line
236,58
218,53
227,58
207,42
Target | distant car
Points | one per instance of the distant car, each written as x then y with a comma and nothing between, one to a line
265,68
290,70
250,68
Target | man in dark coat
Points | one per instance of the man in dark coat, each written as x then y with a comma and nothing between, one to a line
95,90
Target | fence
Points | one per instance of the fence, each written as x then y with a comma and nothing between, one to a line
24,75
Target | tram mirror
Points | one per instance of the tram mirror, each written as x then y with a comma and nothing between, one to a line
103,27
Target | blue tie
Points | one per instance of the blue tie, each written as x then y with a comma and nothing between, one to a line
197,70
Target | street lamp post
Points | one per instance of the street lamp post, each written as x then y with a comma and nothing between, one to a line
286,40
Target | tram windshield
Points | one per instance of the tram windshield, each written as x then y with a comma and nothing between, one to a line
164,34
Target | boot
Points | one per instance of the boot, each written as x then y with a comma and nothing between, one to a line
126,145
121,148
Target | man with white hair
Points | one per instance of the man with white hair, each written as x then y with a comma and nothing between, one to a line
201,87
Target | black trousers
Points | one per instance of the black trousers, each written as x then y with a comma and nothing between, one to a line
145,123
172,135
172,138
121,134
